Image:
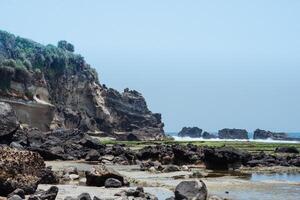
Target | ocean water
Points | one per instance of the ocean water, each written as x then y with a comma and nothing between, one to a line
250,135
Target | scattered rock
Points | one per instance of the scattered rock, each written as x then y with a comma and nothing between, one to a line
137,193
99,174
112,183
171,168
191,190
49,194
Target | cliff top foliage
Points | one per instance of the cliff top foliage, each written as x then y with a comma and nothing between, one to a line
20,58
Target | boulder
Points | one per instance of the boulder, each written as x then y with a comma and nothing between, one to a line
224,158
22,170
112,183
84,196
49,194
191,190
262,134
8,121
227,133
18,192
286,150
93,155
193,132
99,174
171,168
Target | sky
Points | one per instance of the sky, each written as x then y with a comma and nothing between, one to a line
211,64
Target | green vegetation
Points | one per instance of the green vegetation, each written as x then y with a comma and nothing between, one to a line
21,58
247,146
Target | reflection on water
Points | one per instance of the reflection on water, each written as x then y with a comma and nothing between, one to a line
292,177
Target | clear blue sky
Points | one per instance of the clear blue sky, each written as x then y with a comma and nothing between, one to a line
211,64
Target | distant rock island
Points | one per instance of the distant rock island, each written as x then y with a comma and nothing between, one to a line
233,133
51,88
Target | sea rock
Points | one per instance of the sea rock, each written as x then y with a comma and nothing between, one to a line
262,134
99,174
193,132
224,158
207,135
227,133
191,190
22,170
286,150
8,121
112,183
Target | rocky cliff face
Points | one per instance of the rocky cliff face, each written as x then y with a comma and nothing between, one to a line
39,81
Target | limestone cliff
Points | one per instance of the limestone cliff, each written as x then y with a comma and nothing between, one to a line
53,88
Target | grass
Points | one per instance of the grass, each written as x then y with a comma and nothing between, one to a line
247,146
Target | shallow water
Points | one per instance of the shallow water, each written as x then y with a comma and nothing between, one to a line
231,185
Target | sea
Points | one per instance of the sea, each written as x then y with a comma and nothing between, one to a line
250,135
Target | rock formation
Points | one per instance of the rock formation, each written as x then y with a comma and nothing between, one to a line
227,133
262,134
193,132
53,88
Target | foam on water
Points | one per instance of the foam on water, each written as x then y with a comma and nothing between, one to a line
177,138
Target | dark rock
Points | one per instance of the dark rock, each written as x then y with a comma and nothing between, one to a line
20,170
295,162
49,194
193,132
224,158
144,166
84,196
112,183
92,155
99,174
171,168
286,150
207,135
137,193
8,122
227,133
191,190
262,134
18,192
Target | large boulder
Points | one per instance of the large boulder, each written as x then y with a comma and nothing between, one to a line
99,174
193,132
224,158
262,134
8,121
227,133
23,170
191,190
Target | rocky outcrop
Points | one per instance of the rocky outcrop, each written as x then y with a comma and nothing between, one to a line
224,158
262,134
286,150
22,170
207,135
193,132
59,84
227,133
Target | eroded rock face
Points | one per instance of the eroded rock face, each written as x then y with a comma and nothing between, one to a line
193,132
227,133
23,170
262,134
69,92
8,121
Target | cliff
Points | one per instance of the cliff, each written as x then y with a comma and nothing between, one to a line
50,87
